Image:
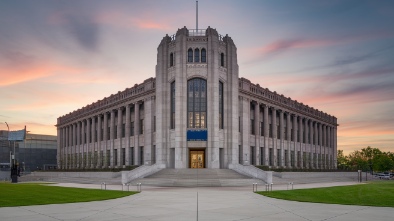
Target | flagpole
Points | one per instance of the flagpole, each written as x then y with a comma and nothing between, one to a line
196,16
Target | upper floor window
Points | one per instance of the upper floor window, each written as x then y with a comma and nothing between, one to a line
196,55
203,55
190,55
172,105
171,59
222,59
220,105
197,103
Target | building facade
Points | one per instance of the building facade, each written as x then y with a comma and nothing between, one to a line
35,152
197,113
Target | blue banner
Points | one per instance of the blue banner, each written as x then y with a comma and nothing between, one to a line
197,135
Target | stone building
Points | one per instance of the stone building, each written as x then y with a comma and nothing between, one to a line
197,113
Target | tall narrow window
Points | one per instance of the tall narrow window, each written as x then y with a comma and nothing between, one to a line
171,59
190,55
173,105
220,104
203,55
196,55
197,103
222,59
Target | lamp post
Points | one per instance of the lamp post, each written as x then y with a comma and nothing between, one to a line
9,143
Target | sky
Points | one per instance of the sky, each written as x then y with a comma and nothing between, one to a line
336,56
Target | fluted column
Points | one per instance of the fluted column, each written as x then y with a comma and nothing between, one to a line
127,135
112,138
105,139
306,143
295,140
274,128
311,143
288,138
78,144
88,141
66,148
136,133
320,146
64,160
93,144
257,132
281,131
119,136
301,142
266,135
99,143
83,155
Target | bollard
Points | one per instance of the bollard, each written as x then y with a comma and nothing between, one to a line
292,186
254,185
139,188
271,186
128,187
266,187
105,186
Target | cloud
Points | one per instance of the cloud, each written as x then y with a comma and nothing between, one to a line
123,20
287,44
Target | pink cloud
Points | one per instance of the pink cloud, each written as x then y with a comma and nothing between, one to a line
282,45
119,19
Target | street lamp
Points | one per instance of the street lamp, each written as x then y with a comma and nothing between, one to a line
9,144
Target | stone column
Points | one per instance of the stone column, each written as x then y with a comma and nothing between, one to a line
288,128
274,128
127,134
93,144
88,140
316,134
320,145
324,144
136,133
335,147
306,143
99,143
266,135
282,149
119,136
63,148
257,132
295,129
245,132
148,130
311,143
105,140
301,142
83,160
78,144
66,148
112,138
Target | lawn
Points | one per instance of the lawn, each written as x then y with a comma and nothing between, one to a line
25,194
378,193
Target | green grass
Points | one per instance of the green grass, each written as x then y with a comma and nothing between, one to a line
26,194
379,193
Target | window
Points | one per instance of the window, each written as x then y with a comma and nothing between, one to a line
220,103
190,55
222,59
203,55
171,59
252,127
197,103
196,55
132,129
123,130
173,105
141,126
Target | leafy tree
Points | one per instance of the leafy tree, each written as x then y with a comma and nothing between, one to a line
342,161
366,159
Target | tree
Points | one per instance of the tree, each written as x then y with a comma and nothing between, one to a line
342,161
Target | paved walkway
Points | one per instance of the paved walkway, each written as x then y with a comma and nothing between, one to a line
214,204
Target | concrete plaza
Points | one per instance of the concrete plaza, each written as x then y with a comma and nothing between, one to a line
214,204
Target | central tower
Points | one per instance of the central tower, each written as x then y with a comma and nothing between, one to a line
197,116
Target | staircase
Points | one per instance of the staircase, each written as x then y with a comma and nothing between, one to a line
196,178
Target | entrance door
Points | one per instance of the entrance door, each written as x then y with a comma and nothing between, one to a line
197,158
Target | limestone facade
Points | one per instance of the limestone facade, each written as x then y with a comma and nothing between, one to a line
197,103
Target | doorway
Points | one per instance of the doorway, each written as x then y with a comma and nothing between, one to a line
197,159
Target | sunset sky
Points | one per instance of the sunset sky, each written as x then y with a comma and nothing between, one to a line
336,56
